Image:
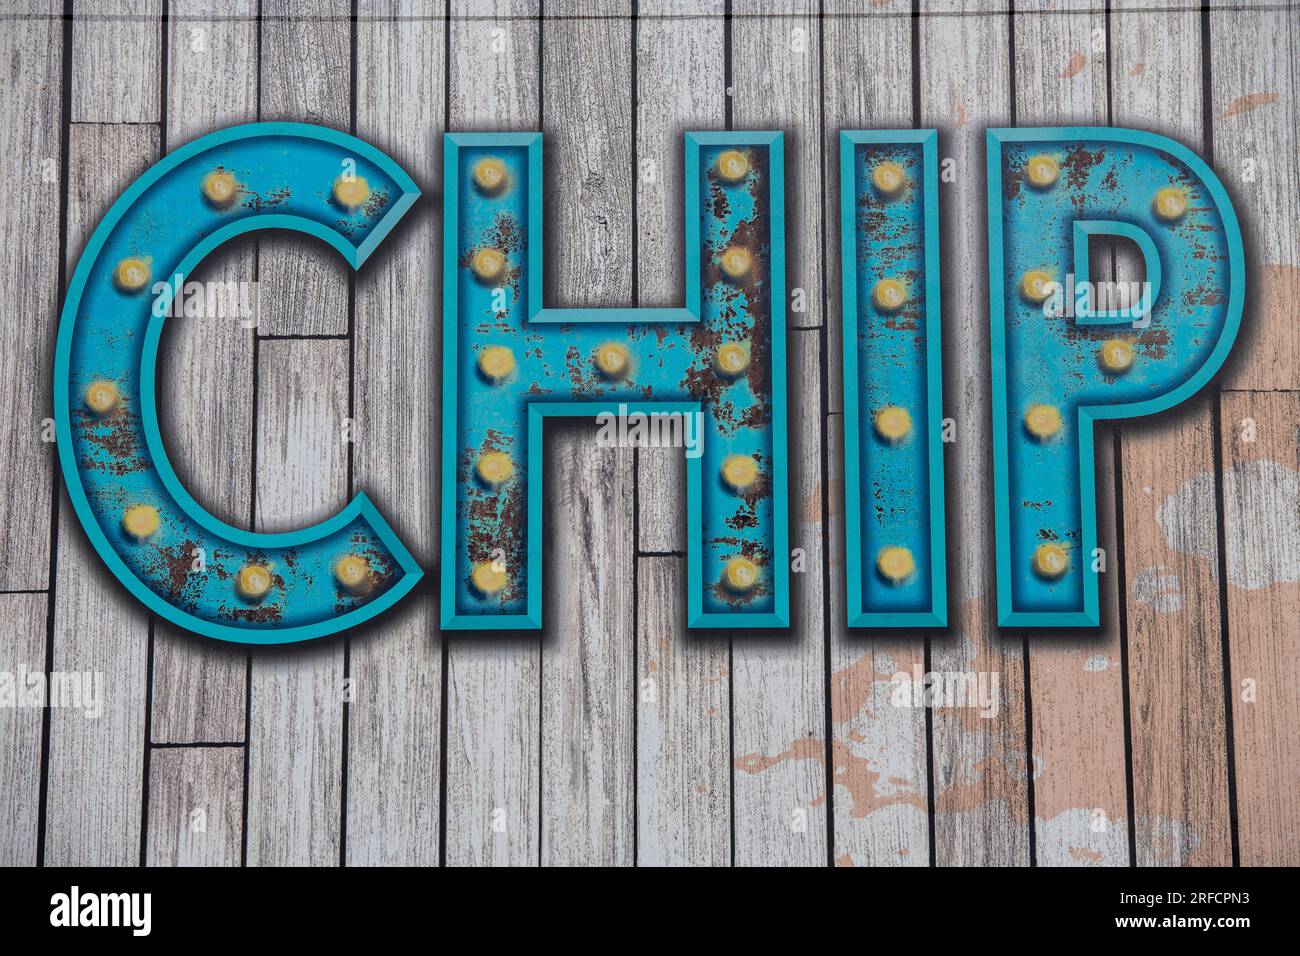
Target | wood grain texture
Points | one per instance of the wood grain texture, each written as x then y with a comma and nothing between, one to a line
879,751
1076,681
98,627
854,98
680,86
30,140
22,653
778,698
776,77
588,654
206,373
295,734
1255,69
394,738
1180,785
555,753
980,762
1261,503
196,801
394,735
116,49
879,748
588,649
778,682
684,700
682,733
494,700
305,69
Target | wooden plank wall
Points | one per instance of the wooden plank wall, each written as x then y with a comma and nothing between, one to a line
617,737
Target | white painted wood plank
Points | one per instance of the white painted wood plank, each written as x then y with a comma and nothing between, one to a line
1180,786
778,680
680,87
1075,679
394,736
22,654
196,803
116,51
879,753
295,735
305,73
776,76
877,98
493,706
683,704
30,142
1255,64
588,650
683,728
96,766
206,373
588,654
980,773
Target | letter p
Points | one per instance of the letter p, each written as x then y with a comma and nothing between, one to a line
1061,361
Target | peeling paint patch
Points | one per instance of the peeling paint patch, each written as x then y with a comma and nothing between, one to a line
1189,519
1096,663
1160,588
1272,490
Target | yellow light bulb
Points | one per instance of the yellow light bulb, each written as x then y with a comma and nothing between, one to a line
613,359
732,166
1051,560
893,423
1036,285
220,188
1116,355
730,359
1042,421
736,263
102,397
487,578
352,573
495,467
1170,203
496,362
1042,171
351,192
489,264
740,574
739,471
895,564
141,521
132,274
888,178
889,295
253,582
490,174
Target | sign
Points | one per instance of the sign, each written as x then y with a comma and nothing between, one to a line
1065,352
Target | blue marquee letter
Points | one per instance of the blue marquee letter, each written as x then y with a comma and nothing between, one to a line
509,363
183,563
893,379
1061,362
